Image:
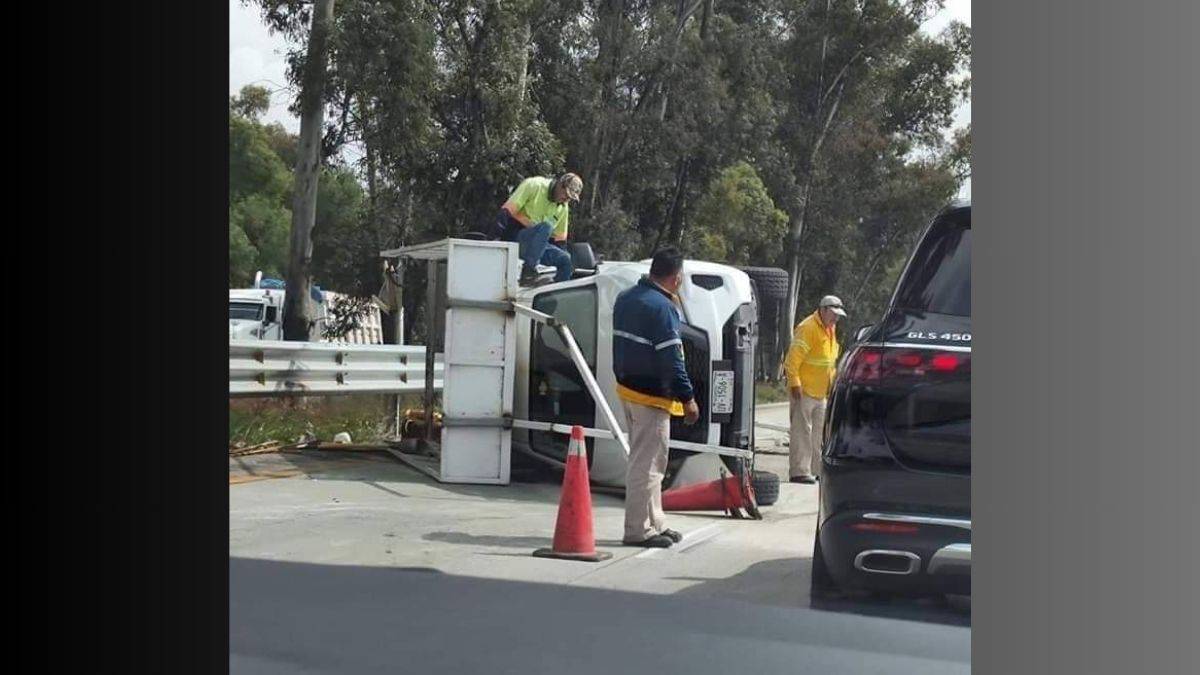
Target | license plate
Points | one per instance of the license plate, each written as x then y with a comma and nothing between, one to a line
722,392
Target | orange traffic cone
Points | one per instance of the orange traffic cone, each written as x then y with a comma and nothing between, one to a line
574,538
728,494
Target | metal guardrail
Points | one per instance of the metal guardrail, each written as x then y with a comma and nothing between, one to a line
269,368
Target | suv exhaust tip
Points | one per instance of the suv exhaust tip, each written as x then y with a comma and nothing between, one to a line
879,561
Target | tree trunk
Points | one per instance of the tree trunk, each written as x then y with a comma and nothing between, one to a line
805,196
607,30
297,314
887,244
794,272
794,248
676,213
830,95
369,147
797,225
524,33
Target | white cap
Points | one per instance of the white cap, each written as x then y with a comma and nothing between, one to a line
832,302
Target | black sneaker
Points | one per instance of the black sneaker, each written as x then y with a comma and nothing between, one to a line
673,535
657,541
807,480
529,276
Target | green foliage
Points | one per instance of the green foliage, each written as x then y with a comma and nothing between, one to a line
367,418
255,168
266,224
260,218
612,233
713,125
252,102
344,254
492,136
922,91
284,145
259,190
243,257
736,220
958,157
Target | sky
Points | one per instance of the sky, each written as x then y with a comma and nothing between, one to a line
258,57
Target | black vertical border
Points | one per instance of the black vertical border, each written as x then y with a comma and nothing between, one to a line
151,96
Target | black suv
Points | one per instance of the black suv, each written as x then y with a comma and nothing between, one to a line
895,490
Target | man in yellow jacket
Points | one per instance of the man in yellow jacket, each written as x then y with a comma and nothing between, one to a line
810,366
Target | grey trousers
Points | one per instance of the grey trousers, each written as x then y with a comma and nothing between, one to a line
649,430
805,435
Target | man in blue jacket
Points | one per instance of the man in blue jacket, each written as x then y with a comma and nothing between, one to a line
653,385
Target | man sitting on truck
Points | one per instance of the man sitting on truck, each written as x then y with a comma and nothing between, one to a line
534,216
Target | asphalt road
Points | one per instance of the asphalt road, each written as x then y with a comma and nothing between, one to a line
301,618
354,562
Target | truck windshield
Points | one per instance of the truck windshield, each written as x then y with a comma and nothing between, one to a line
245,311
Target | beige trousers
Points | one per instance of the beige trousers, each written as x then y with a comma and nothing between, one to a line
649,430
805,435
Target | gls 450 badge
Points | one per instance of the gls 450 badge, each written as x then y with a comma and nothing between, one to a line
952,337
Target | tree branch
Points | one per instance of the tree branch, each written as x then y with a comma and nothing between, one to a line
330,145
874,262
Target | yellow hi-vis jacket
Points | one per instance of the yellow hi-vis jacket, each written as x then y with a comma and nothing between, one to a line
812,359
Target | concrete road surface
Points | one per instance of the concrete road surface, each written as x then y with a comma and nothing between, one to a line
330,520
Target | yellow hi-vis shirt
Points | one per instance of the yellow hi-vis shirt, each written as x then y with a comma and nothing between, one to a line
812,359
533,202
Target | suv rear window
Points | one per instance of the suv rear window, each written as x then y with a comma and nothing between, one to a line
938,279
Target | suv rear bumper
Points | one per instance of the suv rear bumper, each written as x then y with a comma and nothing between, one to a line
932,556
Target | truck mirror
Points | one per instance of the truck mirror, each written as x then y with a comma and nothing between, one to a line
271,315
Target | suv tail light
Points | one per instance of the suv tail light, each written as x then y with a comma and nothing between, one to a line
867,365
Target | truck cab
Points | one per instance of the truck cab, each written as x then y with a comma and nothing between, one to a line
255,314
719,338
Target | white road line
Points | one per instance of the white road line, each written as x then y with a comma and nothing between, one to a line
649,553
691,539
697,538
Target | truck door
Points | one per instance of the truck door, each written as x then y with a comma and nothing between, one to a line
556,391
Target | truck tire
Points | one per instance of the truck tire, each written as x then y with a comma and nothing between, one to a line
771,282
766,487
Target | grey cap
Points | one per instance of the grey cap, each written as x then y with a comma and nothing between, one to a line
574,185
834,303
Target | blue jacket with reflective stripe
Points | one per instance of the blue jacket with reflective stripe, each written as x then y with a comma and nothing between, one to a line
647,348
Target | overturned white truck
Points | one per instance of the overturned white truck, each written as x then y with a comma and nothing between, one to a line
719,309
